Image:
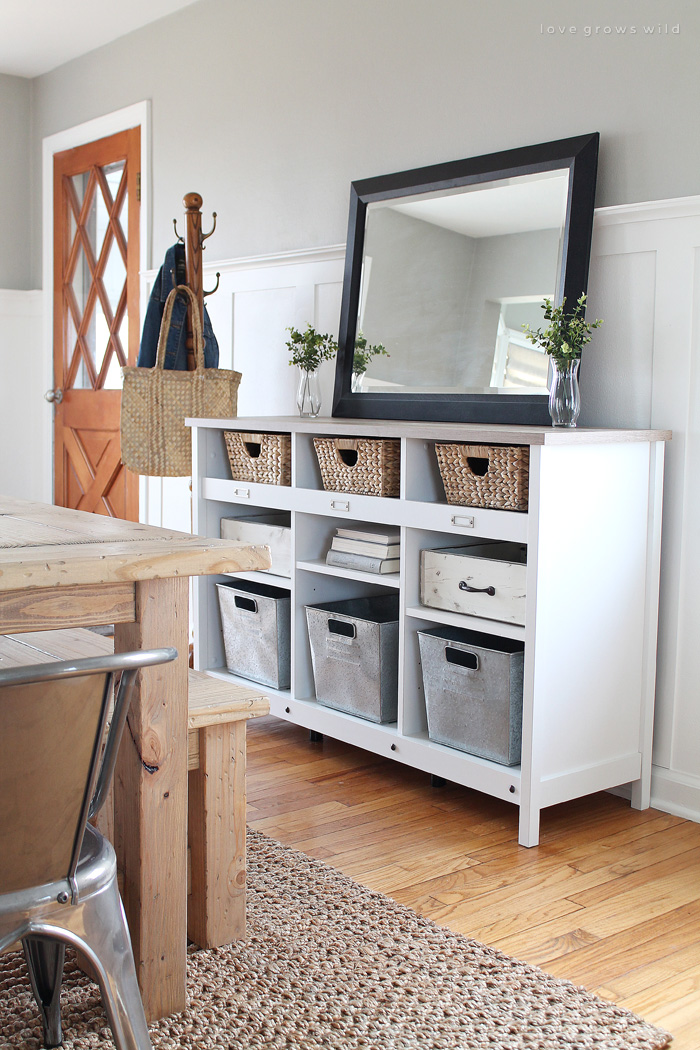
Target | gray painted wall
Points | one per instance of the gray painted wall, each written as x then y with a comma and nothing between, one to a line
269,108
15,242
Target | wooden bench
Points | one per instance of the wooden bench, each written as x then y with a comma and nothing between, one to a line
218,712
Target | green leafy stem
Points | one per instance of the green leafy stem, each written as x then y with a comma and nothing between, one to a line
310,348
567,332
364,353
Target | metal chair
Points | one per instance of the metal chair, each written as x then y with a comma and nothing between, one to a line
58,874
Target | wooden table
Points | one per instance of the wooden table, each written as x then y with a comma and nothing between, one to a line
65,568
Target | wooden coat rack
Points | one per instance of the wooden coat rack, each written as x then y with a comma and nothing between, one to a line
194,246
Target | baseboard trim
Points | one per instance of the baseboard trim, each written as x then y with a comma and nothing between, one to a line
676,793
671,792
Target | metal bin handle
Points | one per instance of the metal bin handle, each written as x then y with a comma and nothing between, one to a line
462,657
342,627
241,602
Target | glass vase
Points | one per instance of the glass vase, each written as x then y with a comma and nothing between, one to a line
308,393
356,382
564,393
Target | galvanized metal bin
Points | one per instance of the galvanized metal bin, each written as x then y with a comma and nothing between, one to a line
255,620
354,651
473,685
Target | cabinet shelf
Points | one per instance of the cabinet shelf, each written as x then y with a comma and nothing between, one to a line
589,656
469,623
386,579
262,577
222,672
275,497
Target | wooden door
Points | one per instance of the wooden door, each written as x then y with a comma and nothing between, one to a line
96,319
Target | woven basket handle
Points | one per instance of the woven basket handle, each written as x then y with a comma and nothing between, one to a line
345,445
468,452
197,333
252,439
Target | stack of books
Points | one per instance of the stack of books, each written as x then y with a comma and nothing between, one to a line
368,548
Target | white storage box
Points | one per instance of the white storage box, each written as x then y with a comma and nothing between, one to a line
484,579
473,686
272,528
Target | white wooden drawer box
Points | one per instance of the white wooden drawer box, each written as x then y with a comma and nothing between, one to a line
272,528
483,579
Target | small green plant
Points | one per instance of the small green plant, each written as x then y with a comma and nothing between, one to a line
567,333
363,354
310,348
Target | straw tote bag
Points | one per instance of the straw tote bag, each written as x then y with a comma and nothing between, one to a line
155,402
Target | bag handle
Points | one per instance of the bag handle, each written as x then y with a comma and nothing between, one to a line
198,335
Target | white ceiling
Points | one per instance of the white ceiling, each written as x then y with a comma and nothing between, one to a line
38,35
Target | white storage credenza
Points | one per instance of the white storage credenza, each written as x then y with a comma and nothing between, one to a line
593,533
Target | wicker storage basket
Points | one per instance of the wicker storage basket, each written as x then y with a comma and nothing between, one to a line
493,476
365,466
262,458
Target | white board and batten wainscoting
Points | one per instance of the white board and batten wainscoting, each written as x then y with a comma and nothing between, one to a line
257,299
25,417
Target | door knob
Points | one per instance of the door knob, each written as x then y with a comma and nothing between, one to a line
54,395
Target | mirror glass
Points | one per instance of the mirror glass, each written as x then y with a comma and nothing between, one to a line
445,265
449,279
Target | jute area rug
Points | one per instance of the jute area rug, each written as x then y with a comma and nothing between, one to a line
328,963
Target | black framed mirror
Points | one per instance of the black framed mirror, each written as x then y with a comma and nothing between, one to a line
444,264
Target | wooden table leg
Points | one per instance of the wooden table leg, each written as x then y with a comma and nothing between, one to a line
151,797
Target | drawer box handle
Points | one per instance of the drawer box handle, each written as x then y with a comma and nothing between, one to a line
340,504
464,586
242,493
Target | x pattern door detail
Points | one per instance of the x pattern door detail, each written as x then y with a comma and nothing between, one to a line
96,320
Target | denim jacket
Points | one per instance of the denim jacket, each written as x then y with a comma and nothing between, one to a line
176,345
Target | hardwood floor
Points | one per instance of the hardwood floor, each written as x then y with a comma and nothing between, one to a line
610,899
